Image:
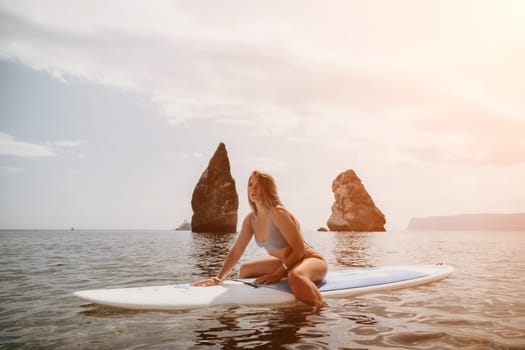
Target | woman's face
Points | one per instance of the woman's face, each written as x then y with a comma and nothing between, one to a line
254,190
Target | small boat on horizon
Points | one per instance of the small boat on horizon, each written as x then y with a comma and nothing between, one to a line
185,226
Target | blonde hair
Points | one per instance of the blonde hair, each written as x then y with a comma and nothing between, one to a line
268,189
269,195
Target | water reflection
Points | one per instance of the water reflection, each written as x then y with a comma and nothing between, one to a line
352,248
40,270
208,251
101,311
242,327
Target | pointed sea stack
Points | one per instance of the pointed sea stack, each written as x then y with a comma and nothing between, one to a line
215,200
354,209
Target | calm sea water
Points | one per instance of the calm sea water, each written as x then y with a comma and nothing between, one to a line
481,306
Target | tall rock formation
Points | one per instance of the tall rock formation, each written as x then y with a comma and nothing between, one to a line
354,209
215,200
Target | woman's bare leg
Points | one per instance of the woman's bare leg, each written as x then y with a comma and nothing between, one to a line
259,267
302,279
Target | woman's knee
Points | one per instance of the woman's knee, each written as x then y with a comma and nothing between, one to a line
296,277
310,272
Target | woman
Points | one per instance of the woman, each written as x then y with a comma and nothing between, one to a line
277,230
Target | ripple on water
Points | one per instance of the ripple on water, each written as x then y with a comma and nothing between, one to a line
39,271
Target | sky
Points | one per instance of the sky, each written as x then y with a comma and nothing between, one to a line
111,110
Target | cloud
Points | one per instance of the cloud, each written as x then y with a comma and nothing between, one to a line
67,143
9,169
470,133
203,76
11,147
239,122
326,85
264,163
299,139
192,155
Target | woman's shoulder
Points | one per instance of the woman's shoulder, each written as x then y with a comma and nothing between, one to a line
282,216
281,212
248,222
249,217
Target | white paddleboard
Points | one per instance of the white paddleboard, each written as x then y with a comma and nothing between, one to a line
337,284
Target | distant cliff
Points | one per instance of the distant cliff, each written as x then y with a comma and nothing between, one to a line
482,222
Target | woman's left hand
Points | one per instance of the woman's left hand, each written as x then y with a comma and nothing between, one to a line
206,282
268,279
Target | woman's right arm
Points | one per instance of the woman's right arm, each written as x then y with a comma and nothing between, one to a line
233,256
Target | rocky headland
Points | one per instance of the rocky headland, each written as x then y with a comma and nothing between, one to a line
215,201
354,209
480,222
